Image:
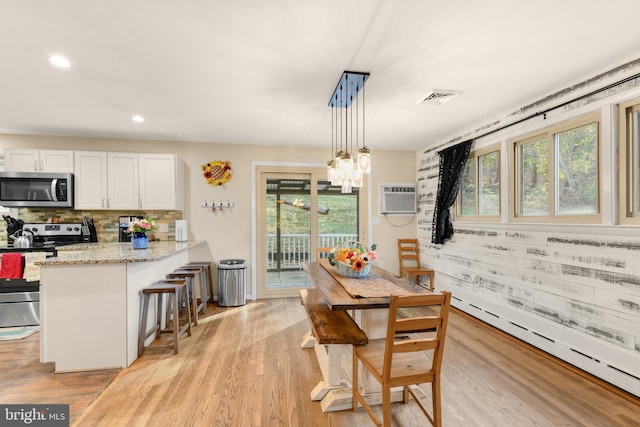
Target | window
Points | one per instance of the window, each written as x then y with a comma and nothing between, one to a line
629,162
556,173
479,198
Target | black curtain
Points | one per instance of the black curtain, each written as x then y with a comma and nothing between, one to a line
452,163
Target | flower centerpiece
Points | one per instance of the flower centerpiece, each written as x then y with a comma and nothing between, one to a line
353,259
138,231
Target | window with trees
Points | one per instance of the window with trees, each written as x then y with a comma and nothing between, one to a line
629,162
557,173
479,197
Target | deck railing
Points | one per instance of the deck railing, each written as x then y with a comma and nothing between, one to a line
296,248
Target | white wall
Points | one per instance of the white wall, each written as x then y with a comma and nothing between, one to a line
571,290
228,232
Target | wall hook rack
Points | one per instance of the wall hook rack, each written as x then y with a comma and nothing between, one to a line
217,204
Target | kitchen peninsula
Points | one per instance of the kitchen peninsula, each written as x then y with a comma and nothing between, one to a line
90,300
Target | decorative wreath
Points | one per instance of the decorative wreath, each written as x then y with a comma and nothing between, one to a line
217,172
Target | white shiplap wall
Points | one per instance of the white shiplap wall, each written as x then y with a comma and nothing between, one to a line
571,290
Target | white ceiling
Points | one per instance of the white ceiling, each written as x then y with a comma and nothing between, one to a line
262,72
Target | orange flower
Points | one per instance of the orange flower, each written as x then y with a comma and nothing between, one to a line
342,255
358,263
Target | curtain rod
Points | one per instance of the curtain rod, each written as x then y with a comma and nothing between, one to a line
555,107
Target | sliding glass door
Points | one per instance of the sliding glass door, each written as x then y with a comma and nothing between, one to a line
299,211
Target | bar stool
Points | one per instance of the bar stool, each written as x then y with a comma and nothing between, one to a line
208,276
202,284
193,275
171,288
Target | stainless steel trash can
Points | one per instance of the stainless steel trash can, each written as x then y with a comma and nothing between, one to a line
232,282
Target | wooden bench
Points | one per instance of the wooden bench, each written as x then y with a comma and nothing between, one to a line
332,335
329,326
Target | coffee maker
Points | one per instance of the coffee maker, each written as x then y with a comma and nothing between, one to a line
123,224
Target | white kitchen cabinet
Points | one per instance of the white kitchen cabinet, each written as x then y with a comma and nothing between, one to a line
122,181
106,180
90,177
158,184
128,181
19,160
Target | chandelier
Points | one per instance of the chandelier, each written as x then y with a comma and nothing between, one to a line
350,160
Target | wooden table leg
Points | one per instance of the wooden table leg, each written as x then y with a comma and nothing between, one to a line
330,361
308,340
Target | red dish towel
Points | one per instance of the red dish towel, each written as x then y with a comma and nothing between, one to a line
11,266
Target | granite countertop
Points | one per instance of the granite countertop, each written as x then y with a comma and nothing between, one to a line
109,253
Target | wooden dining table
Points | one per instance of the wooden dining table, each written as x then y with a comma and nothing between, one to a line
371,315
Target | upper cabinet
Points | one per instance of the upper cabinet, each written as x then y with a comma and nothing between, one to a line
128,181
106,180
90,180
158,183
17,160
123,181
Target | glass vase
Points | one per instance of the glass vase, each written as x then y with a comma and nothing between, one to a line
139,240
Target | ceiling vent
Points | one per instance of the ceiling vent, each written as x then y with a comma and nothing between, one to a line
438,96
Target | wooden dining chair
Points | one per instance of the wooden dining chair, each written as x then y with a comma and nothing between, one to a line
409,261
322,253
409,355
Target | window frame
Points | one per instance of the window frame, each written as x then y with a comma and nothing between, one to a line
627,158
515,214
475,156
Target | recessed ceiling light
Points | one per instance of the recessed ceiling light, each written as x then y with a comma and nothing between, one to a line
137,119
59,61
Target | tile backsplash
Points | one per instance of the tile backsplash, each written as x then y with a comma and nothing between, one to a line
106,222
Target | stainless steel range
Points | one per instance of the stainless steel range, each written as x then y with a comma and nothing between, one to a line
19,298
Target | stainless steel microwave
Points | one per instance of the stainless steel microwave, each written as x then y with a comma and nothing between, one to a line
36,190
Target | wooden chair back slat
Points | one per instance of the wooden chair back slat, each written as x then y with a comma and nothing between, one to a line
322,253
415,345
418,324
409,254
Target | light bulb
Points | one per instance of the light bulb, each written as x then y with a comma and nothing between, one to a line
346,187
364,160
356,176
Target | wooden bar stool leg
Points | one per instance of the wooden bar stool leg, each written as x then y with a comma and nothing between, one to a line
193,301
210,276
202,286
143,323
176,324
160,298
186,303
169,309
204,289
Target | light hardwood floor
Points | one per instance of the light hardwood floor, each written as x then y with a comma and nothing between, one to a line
243,366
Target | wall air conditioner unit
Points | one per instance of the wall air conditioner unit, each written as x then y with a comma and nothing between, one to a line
398,199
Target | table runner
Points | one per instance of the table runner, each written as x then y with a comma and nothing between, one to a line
372,286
